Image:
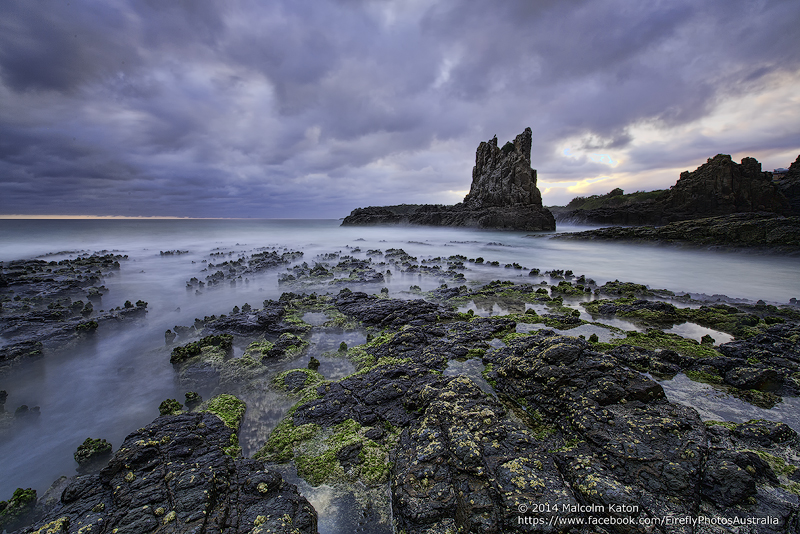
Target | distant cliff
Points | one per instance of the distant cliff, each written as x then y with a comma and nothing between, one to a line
503,195
718,187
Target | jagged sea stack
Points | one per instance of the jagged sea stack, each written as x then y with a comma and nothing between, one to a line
503,195
504,177
503,192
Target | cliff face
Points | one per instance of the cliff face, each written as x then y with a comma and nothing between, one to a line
722,187
503,195
789,186
718,187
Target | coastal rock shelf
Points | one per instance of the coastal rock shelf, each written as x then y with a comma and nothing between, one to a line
764,231
439,419
503,195
174,475
42,304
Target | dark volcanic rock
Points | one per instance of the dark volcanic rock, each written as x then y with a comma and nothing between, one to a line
665,309
91,452
789,185
503,194
554,422
38,311
722,187
504,177
18,510
739,230
174,476
718,187
268,320
374,311
777,346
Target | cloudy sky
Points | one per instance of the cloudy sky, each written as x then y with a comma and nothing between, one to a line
310,108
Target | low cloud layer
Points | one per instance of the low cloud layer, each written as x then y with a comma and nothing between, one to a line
312,108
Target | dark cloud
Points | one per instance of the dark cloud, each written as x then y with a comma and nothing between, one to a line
310,108
58,46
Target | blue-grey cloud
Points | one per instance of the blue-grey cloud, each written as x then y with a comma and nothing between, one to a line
310,108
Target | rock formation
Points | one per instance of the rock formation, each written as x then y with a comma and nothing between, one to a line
722,187
566,426
789,186
718,187
504,177
741,230
503,195
175,476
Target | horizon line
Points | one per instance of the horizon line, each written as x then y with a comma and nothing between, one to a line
148,217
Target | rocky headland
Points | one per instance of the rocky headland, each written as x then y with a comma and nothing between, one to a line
719,187
503,195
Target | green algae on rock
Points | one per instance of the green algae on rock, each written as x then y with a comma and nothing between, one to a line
228,408
15,512
170,407
181,473
183,353
91,449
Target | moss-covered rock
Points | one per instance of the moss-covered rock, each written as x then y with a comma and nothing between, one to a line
656,339
170,407
294,380
92,449
180,354
228,408
259,349
15,512
339,453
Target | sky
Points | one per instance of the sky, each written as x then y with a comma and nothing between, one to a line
311,108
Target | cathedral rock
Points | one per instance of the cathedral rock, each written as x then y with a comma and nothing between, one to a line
503,195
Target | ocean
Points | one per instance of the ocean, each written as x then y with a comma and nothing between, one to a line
112,386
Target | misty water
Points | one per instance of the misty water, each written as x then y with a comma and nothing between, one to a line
113,385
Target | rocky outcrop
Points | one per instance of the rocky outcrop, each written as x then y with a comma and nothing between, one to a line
558,431
752,230
504,177
175,476
42,308
722,187
374,311
789,186
503,195
718,187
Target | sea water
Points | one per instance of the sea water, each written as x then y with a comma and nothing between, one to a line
113,385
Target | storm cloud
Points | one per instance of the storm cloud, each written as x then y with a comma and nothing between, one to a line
312,108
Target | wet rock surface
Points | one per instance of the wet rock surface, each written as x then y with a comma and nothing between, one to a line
48,305
375,311
174,476
768,231
552,419
570,426
503,194
245,265
328,274
761,365
92,452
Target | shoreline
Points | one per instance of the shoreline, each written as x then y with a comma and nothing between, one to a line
406,380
